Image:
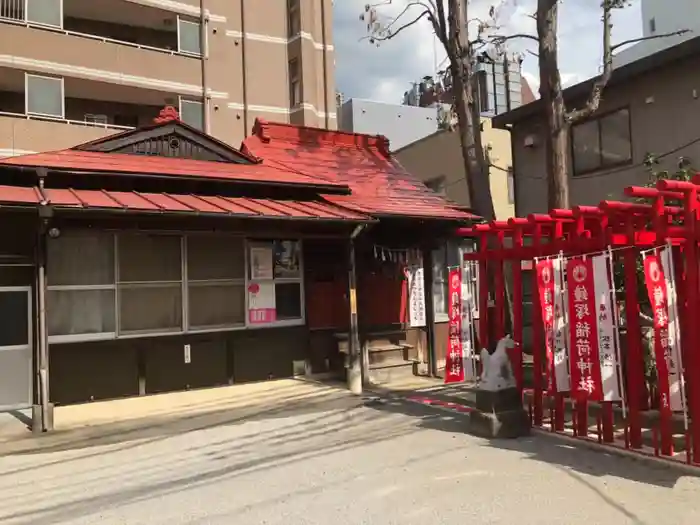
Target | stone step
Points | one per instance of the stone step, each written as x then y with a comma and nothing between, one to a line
388,373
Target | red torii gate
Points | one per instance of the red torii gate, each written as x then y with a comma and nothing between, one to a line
627,228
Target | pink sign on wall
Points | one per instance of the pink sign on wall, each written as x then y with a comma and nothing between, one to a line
261,303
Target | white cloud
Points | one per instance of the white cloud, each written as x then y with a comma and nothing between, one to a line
383,73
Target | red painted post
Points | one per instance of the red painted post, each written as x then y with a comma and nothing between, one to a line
635,357
557,236
518,305
483,292
500,290
537,336
581,413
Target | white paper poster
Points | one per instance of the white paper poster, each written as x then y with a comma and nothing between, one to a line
673,349
416,296
261,303
561,346
260,262
467,327
605,316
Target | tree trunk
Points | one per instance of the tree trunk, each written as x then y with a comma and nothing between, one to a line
469,125
557,143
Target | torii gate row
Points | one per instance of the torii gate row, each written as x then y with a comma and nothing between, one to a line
586,229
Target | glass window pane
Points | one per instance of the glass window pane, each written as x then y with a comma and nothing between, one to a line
615,137
440,299
191,113
45,96
80,312
46,12
149,258
150,308
189,37
14,311
586,146
211,257
216,305
288,300
287,256
80,258
439,265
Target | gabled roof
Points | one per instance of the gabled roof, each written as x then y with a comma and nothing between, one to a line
183,141
379,185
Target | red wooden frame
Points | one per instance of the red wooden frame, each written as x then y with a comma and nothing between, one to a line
628,228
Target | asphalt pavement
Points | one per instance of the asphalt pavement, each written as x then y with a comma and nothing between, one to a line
334,460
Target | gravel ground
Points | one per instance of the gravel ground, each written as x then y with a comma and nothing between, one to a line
337,461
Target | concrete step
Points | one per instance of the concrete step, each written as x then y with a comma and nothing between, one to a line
388,373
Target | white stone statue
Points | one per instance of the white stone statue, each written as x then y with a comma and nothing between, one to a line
496,371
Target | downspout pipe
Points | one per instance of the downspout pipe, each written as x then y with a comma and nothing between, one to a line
204,46
325,65
45,214
355,354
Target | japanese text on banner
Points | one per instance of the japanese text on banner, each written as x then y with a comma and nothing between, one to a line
545,285
561,344
606,329
665,346
585,369
467,323
454,364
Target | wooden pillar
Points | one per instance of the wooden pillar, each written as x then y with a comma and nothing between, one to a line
427,256
354,370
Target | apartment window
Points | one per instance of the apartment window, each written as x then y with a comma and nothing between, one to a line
294,83
45,12
293,18
511,185
103,285
44,96
188,37
191,112
12,9
601,143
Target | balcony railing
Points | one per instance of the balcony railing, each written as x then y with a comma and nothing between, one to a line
93,123
14,12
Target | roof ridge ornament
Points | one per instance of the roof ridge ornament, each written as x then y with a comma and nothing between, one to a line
167,114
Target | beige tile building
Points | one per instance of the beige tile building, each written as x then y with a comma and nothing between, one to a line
76,70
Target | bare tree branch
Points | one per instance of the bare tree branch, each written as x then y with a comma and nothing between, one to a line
389,35
644,38
500,39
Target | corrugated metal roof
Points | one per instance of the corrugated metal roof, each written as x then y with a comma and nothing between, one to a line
92,161
379,184
170,203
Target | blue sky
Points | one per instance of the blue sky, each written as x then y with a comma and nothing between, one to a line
383,73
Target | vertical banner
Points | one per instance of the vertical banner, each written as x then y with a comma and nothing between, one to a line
545,285
561,343
416,296
585,361
467,323
454,363
606,328
666,345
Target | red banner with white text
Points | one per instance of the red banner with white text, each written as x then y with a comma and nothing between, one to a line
586,381
658,297
545,285
454,363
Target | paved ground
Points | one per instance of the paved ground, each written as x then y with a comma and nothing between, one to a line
329,458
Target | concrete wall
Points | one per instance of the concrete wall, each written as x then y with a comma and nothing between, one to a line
664,108
440,155
400,124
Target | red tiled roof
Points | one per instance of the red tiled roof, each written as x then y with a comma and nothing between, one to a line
169,166
379,184
169,203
